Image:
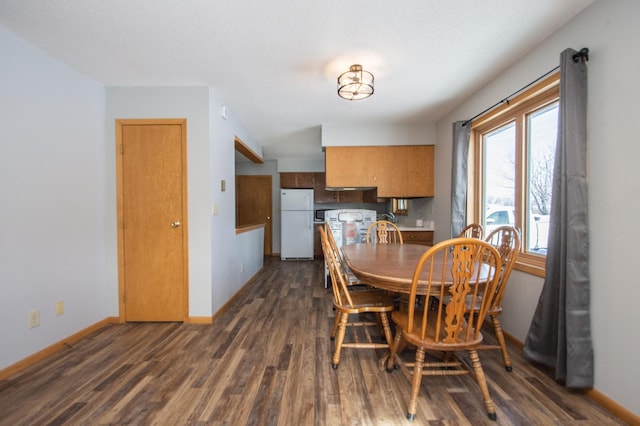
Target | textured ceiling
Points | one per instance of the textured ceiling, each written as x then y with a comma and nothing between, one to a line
274,63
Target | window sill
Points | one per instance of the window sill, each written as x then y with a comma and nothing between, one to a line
531,264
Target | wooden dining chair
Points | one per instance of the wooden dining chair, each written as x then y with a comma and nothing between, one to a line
470,269
506,239
350,278
384,232
349,303
352,281
473,230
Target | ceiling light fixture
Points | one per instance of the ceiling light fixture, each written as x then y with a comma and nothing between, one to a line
355,84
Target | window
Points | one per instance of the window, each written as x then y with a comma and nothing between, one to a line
514,152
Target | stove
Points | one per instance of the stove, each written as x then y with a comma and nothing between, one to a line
348,226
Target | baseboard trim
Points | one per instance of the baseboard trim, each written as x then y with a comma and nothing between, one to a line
224,307
613,407
607,403
50,350
200,320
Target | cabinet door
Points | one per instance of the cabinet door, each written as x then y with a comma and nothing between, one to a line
351,166
418,237
320,194
350,196
305,180
420,171
294,180
370,196
407,172
287,180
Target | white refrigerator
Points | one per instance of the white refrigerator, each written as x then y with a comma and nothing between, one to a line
296,224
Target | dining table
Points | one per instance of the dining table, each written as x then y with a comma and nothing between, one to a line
391,266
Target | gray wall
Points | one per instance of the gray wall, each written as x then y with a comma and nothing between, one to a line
609,29
54,211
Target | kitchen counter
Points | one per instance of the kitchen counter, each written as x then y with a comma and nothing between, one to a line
402,228
415,228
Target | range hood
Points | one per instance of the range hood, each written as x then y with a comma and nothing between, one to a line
350,188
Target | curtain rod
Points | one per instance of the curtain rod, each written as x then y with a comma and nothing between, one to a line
582,54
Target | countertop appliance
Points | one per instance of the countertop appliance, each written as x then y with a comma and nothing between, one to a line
348,226
296,224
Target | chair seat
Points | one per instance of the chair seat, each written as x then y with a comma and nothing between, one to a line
368,301
493,310
401,318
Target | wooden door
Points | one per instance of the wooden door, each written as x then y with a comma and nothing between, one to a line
253,204
152,237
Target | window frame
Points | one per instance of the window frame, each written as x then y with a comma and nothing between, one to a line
514,110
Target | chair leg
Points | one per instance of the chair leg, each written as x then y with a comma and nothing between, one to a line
503,344
482,382
335,326
393,349
415,384
386,328
342,328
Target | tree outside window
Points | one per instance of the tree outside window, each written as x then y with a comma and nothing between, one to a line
514,151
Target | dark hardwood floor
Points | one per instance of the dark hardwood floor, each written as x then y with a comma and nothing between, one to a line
266,360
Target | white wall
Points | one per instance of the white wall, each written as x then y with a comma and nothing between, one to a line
250,255
58,234
378,134
191,103
609,29
214,268
53,207
301,165
226,277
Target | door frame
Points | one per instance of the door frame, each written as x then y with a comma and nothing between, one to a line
120,123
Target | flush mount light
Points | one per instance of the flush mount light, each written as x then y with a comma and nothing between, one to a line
355,84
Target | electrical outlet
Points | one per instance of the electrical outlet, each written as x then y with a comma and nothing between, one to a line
34,318
60,307
242,267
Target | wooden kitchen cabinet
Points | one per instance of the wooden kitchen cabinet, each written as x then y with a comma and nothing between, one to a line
320,194
400,171
297,180
316,181
424,238
351,166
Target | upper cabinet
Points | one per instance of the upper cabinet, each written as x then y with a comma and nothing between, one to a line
396,171
316,181
297,180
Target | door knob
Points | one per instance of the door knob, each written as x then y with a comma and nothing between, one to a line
175,224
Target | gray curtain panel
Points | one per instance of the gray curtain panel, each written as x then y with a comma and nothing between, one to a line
459,161
560,332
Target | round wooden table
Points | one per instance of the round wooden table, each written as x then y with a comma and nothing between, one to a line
391,266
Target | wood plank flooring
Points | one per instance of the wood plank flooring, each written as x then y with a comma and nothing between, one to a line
267,361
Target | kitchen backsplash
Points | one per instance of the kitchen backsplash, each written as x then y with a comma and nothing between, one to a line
419,209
